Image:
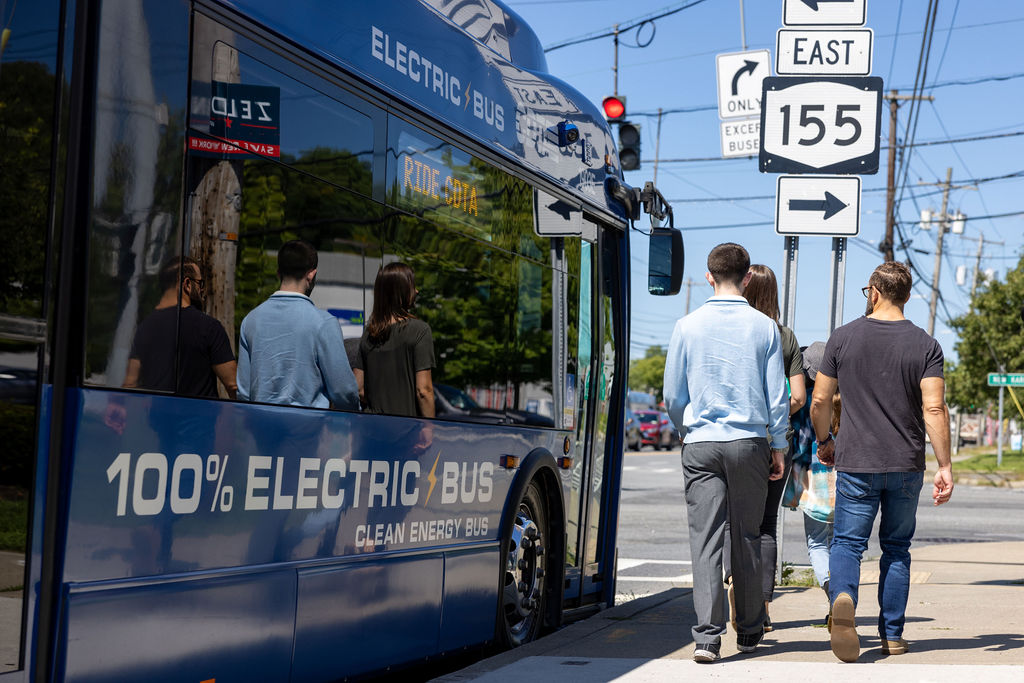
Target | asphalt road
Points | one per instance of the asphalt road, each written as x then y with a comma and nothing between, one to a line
654,550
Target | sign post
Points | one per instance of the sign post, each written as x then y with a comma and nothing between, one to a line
1002,380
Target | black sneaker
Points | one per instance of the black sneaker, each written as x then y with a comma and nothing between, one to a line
747,642
705,654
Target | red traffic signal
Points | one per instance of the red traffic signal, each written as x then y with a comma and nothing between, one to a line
614,108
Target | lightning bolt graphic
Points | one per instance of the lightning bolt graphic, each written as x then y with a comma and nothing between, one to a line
432,479
467,97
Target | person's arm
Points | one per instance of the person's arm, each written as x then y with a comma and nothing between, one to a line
425,393
131,375
242,370
797,393
676,392
227,374
821,415
936,423
339,381
774,388
360,382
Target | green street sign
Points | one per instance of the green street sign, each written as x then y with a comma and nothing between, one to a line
1003,379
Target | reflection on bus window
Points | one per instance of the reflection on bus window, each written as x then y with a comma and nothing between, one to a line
141,102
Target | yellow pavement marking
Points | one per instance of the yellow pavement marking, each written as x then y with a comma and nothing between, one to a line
871,576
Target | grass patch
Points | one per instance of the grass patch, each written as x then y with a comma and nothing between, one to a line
792,577
1013,461
13,524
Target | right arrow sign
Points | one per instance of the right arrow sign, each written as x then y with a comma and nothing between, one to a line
818,205
823,12
829,206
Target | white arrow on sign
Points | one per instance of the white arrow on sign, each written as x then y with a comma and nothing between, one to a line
818,205
820,125
824,12
823,52
739,82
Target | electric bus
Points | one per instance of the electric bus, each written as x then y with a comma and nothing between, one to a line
150,534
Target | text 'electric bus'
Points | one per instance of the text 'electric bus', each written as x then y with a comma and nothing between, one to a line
154,532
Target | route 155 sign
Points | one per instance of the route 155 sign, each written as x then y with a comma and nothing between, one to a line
820,125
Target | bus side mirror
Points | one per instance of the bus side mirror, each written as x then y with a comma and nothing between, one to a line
665,262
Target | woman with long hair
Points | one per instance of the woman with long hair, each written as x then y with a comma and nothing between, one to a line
762,293
396,354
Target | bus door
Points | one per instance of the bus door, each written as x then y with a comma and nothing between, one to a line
597,462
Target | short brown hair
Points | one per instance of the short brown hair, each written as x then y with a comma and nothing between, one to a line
893,281
174,272
762,291
728,262
295,258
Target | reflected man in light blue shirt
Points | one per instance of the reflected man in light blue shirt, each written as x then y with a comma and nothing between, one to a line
291,352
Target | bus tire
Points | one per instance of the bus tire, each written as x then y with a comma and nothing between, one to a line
524,555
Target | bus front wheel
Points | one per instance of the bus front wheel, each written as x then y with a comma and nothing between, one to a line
523,575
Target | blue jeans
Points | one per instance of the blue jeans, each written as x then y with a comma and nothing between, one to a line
859,496
819,537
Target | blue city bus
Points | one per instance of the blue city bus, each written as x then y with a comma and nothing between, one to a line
155,535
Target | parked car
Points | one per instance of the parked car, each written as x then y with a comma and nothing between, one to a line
656,429
454,404
18,385
633,437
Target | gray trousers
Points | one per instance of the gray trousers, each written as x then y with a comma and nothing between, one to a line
726,480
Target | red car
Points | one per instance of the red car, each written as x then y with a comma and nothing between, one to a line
656,430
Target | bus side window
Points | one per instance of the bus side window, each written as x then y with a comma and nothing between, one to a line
298,163
139,142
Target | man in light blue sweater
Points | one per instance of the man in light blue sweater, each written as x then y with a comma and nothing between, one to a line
725,390
291,352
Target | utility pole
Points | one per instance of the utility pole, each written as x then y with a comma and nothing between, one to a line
886,247
941,221
977,266
690,282
938,251
657,148
977,260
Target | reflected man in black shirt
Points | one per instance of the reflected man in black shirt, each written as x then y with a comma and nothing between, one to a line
203,352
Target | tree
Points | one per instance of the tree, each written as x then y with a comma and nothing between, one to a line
648,373
991,337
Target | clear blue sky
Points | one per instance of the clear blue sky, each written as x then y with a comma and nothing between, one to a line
975,72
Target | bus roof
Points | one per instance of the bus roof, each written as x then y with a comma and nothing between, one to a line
473,65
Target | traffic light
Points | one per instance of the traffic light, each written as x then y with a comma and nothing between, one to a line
629,146
614,108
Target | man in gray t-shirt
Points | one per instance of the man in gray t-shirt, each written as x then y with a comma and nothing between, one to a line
890,374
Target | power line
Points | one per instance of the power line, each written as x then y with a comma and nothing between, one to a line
625,26
930,143
959,181
975,218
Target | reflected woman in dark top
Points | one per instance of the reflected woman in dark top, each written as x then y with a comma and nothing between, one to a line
396,354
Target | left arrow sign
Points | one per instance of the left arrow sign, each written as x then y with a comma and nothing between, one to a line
831,205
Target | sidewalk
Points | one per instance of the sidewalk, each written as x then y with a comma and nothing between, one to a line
965,622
